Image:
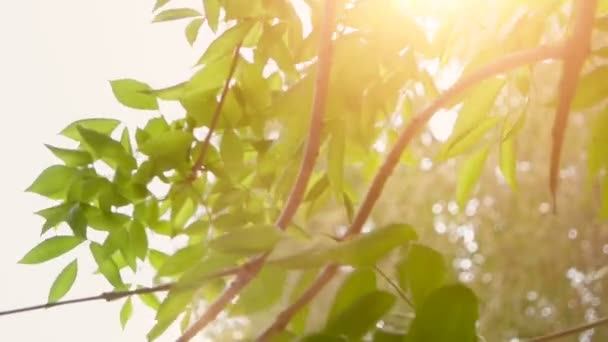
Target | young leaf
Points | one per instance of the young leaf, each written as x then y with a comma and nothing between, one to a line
125,312
107,266
231,150
53,182
468,175
77,220
591,89
99,125
138,239
160,3
247,240
134,94
454,307
421,272
50,249
157,258
212,13
106,148
362,315
170,146
181,261
63,283
604,199
226,42
192,29
508,161
357,284
176,14
262,293
71,157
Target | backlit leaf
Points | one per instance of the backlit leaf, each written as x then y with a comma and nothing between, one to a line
63,283
50,249
125,312
469,174
212,13
181,261
362,315
103,126
421,272
357,284
53,182
175,14
192,30
134,94
71,157
107,266
226,42
247,240
335,161
106,148
455,306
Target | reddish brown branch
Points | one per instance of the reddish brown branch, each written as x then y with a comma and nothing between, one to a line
576,49
311,152
415,126
570,331
216,114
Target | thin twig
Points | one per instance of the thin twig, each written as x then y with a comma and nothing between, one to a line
107,296
499,66
298,190
216,114
570,331
114,295
576,49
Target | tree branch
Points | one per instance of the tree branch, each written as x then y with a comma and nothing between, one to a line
107,296
576,49
216,114
500,65
296,195
114,295
570,331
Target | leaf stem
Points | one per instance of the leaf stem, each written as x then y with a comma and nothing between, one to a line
570,331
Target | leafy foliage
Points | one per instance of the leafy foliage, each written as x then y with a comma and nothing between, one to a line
252,94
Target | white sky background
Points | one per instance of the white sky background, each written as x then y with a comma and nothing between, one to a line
56,58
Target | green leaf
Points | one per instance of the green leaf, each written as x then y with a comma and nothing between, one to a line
508,161
160,3
175,14
477,105
106,148
263,292
591,89
107,266
226,42
247,240
181,261
138,240
212,13
192,30
421,272
157,258
77,220
103,126
174,304
134,94
322,337
362,315
53,182
150,300
231,150
64,281
335,161
454,309
50,249
125,312
71,157
468,139
361,250
170,148
358,283
469,174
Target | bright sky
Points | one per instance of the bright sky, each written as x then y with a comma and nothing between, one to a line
55,63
